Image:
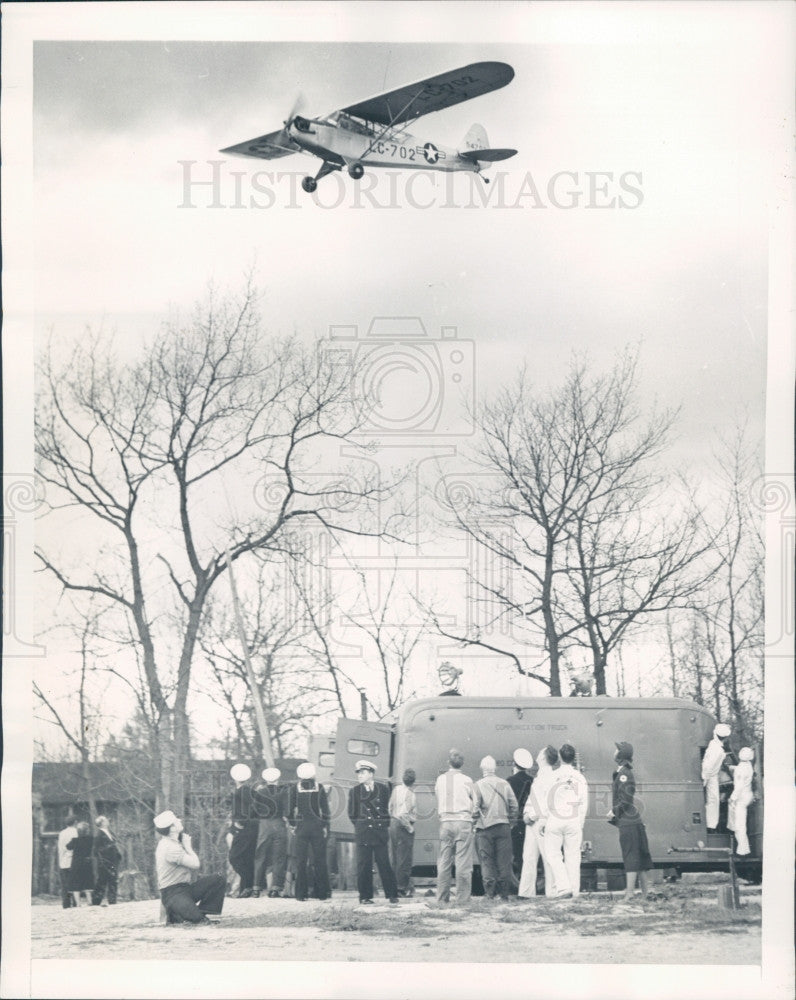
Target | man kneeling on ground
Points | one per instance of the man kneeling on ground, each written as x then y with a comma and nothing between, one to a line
175,860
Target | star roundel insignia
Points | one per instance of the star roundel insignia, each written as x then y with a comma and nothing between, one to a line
623,777
430,152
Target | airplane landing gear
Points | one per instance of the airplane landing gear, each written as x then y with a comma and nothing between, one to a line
356,170
309,184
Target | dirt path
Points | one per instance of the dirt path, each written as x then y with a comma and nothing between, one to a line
686,926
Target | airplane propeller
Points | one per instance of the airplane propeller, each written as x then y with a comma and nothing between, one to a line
298,103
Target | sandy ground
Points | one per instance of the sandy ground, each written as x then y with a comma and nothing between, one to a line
685,926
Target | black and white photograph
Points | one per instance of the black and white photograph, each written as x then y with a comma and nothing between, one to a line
398,504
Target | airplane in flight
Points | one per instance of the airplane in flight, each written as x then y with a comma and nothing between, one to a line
372,133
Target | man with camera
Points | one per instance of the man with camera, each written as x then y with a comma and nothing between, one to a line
175,861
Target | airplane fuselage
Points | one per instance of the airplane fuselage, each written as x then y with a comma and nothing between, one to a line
353,142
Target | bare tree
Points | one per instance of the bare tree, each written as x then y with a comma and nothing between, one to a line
575,512
289,681
381,612
84,734
147,451
721,652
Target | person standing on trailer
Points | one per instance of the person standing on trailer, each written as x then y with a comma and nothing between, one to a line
458,806
537,809
403,816
711,766
270,852
368,810
498,812
520,781
243,829
563,830
626,817
741,798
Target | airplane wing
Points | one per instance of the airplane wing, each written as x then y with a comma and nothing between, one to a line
266,147
433,94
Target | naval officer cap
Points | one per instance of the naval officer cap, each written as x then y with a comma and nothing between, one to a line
364,765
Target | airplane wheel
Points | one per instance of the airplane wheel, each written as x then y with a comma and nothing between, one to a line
356,170
309,184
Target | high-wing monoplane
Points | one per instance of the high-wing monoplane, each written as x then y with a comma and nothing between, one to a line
372,133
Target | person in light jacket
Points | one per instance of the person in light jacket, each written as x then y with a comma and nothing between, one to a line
563,829
741,798
535,813
403,816
458,806
497,813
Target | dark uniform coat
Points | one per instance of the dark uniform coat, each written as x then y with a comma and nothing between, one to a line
244,836
632,832
623,793
370,814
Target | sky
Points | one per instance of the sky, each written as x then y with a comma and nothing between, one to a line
118,127
679,110
675,137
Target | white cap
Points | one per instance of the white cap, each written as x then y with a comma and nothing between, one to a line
488,763
165,819
746,753
523,757
722,730
365,765
305,771
240,772
271,774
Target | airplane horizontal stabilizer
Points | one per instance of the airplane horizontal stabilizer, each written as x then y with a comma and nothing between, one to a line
487,155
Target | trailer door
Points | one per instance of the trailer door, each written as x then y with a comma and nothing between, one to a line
358,739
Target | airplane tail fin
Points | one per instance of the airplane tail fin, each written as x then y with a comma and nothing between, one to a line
475,139
475,148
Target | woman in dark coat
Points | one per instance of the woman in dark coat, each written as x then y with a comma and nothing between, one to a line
82,871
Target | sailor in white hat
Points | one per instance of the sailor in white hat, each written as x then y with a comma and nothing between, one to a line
243,828
308,814
711,766
520,780
176,861
270,852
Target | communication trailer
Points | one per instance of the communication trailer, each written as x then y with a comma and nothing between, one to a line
669,736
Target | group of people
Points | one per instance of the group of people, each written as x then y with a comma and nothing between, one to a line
275,830
510,825
79,852
729,779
